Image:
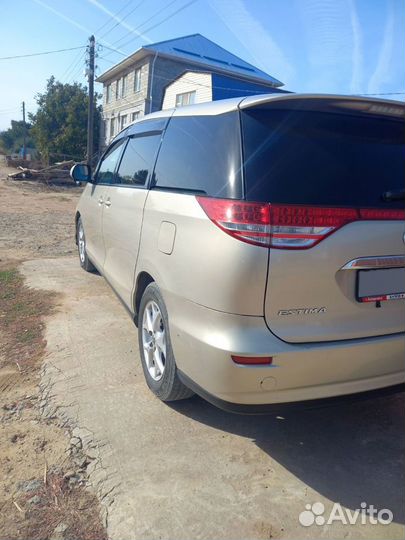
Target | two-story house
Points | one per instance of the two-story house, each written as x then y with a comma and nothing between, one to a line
181,71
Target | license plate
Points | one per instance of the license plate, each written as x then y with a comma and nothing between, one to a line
380,285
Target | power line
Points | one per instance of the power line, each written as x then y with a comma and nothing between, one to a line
182,8
77,67
113,50
41,53
120,21
110,17
155,25
122,38
68,71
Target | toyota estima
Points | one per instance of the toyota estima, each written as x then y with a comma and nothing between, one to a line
258,244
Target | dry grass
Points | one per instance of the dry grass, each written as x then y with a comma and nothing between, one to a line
22,347
21,320
59,504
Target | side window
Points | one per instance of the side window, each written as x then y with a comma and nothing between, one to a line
201,154
138,160
105,172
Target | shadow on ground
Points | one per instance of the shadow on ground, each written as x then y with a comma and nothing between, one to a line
349,454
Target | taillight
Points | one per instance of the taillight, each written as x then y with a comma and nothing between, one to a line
285,226
300,227
247,221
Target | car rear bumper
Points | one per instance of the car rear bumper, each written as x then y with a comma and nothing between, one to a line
204,340
283,408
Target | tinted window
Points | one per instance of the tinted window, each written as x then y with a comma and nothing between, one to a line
302,157
105,173
201,154
138,160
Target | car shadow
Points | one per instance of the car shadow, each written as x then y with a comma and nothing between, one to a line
348,453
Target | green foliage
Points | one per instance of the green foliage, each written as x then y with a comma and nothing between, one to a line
59,126
12,139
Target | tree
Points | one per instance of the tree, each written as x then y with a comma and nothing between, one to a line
12,139
59,126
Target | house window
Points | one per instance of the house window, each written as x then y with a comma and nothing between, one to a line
123,121
112,127
117,89
108,94
137,80
187,98
135,116
123,86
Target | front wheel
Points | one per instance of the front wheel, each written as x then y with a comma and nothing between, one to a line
158,363
85,262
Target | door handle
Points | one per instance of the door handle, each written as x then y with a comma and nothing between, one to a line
100,201
107,202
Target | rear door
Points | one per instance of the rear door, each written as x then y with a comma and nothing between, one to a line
123,211
335,228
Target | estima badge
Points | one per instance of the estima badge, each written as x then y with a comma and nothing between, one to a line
303,311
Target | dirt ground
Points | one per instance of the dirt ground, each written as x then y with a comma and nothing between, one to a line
42,480
35,219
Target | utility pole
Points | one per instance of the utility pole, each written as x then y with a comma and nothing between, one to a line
90,118
24,132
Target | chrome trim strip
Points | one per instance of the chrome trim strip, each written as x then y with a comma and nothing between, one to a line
371,263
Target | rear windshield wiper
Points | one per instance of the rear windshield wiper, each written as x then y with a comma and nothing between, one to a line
394,195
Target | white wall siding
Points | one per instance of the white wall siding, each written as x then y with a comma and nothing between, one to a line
191,81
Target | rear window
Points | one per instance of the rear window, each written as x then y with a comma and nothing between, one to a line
201,154
313,158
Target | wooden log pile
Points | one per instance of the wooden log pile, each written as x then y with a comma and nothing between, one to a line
58,173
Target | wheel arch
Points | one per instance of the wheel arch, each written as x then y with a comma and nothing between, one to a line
143,280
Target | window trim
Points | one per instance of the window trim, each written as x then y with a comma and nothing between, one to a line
188,93
137,70
122,125
121,142
147,184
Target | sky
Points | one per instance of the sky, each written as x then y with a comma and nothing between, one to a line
331,46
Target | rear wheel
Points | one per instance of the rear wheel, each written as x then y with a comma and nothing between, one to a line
85,262
159,365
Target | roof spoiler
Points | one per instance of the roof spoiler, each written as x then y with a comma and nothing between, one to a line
327,103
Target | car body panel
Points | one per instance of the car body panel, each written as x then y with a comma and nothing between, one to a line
315,278
203,341
90,208
205,266
122,226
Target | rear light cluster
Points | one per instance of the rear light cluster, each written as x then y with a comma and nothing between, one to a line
285,226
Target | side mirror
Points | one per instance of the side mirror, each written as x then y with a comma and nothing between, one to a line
81,172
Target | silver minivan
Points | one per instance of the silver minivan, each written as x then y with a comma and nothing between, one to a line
258,245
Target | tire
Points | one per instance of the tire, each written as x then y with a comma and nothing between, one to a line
158,362
85,262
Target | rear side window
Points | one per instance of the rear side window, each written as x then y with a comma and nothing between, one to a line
138,160
201,154
315,158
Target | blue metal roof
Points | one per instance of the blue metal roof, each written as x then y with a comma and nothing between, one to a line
199,49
